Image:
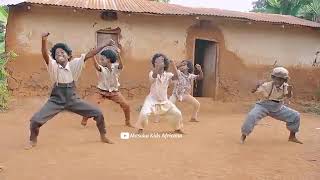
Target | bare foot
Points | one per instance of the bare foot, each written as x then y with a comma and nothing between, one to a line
104,139
194,120
243,138
140,131
84,121
292,138
295,140
179,131
30,145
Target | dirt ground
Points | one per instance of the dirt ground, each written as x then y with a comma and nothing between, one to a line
209,150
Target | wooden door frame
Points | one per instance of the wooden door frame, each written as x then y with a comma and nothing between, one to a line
216,84
116,31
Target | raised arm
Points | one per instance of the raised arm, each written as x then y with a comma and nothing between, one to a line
175,70
95,51
44,47
96,64
198,67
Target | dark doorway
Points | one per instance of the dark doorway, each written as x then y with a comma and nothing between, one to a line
205,54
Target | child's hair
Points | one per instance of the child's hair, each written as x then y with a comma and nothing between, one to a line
110,54
63,46
189,65
166,60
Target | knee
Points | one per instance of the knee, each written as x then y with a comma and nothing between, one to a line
293,123
34,125
248,125
297,116
197,104
252,116
125,106
178,114
35,118
249,122
35,121
97,114
172,99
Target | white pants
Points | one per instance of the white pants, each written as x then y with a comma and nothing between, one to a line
173,114
190,100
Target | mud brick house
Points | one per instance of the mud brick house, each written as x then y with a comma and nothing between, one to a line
235,48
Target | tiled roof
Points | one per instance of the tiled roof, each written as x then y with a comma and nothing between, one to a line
145,6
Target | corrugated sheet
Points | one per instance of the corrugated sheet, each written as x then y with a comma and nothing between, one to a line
262,17
145,6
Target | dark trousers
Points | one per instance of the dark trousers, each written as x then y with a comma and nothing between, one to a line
64,97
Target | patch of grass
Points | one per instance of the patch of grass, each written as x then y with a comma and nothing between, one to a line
4,91
314,109
311,107
4,95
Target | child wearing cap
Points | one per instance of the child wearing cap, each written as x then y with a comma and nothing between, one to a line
271,104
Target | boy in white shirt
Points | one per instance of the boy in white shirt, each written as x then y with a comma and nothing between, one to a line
157,103
108,85
273,94
64,72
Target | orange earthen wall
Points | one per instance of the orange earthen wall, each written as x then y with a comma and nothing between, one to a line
242,61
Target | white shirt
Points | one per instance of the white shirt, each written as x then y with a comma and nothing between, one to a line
157,101
159,86
277,94
109,80
68,74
